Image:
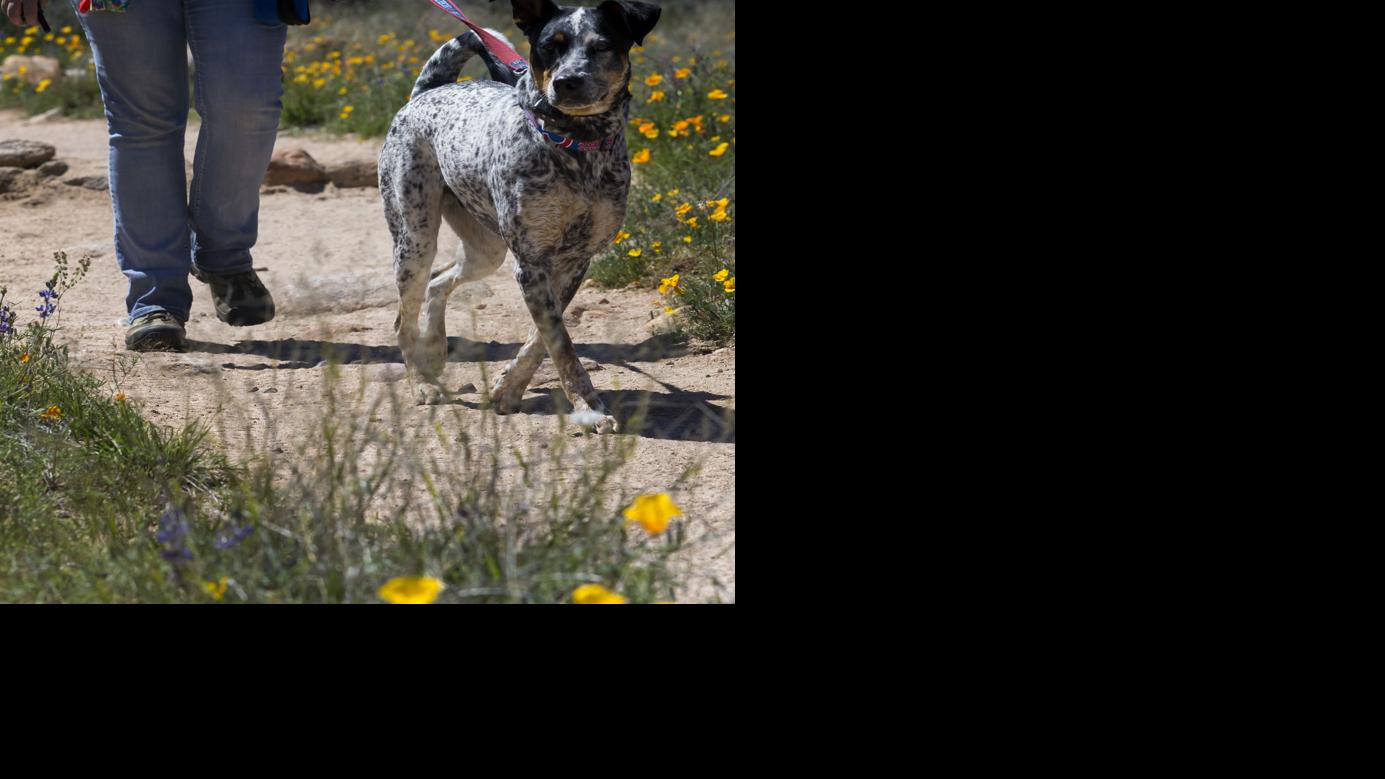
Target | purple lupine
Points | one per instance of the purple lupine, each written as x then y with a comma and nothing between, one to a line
49,305
227,540
6,319
173,534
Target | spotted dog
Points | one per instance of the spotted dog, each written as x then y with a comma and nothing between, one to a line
496,160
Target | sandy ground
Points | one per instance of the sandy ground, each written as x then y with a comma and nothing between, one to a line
326,259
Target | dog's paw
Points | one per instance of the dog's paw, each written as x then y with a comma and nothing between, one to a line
431,395
503,400
595,421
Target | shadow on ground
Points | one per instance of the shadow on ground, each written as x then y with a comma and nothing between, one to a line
293,353
678,415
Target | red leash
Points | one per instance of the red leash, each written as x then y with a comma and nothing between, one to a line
508,56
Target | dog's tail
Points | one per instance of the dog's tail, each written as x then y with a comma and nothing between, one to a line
446,63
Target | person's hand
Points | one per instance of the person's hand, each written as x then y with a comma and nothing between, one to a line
22,12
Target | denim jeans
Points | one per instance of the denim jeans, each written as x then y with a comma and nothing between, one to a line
141,64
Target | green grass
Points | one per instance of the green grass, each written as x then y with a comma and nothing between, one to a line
97,504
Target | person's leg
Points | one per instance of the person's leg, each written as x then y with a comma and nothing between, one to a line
236,63
141,66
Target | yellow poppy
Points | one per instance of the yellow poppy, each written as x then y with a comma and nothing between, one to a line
411,589
589,594
653,512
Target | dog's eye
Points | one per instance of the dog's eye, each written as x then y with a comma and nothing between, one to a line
600,47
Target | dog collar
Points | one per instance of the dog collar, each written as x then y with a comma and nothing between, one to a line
564,142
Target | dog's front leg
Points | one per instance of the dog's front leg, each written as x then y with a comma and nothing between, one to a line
508,388
546,308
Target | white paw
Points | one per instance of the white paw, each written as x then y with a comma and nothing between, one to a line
431,395
595,421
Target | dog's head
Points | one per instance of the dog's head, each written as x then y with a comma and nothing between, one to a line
580,57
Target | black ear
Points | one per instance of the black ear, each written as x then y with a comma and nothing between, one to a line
531,14
636,18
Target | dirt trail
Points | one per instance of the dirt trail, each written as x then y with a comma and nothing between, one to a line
327,261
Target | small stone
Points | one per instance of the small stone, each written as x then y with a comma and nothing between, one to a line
98,183
52,168
602,302
357,173
271,390
466,389
19,153
295,168
254,389
480,306
16,180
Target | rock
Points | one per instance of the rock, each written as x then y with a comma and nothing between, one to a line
295,168
46,116
357,173
16,180
466,389
271,390
603,302
25,154
35,68
98,183
52,168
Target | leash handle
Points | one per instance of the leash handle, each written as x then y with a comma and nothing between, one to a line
494,45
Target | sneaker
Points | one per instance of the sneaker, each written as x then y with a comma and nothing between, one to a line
156,332
240,298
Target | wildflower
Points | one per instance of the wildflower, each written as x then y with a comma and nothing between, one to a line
654,80
717,94
723,203
655,96
653,512
721,274
724,118
216,589
620,236
641,157
24,358
692,221
719,215
687,239
667,284
589,594
44,84
635,252
673,192
730,285
53,412
119,397
649,130
173,533
719,150
668,309
227,540
342,91
319,82
411,589
682,72
683,209
657,197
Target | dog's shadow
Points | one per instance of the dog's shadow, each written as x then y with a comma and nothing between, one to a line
677,415
294,353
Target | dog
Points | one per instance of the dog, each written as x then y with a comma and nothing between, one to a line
534,164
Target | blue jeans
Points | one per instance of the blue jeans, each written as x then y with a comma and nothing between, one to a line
141,65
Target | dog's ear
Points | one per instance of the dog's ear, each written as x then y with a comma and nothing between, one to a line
531,14
637,19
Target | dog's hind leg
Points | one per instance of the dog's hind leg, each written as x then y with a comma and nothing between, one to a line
479,255
412,190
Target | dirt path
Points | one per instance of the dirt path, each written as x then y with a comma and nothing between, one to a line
327,261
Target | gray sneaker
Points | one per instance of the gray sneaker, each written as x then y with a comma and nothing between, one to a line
156,332
240,298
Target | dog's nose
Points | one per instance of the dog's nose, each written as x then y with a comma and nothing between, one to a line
567,84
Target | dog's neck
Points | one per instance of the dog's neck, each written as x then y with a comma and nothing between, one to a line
584,128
